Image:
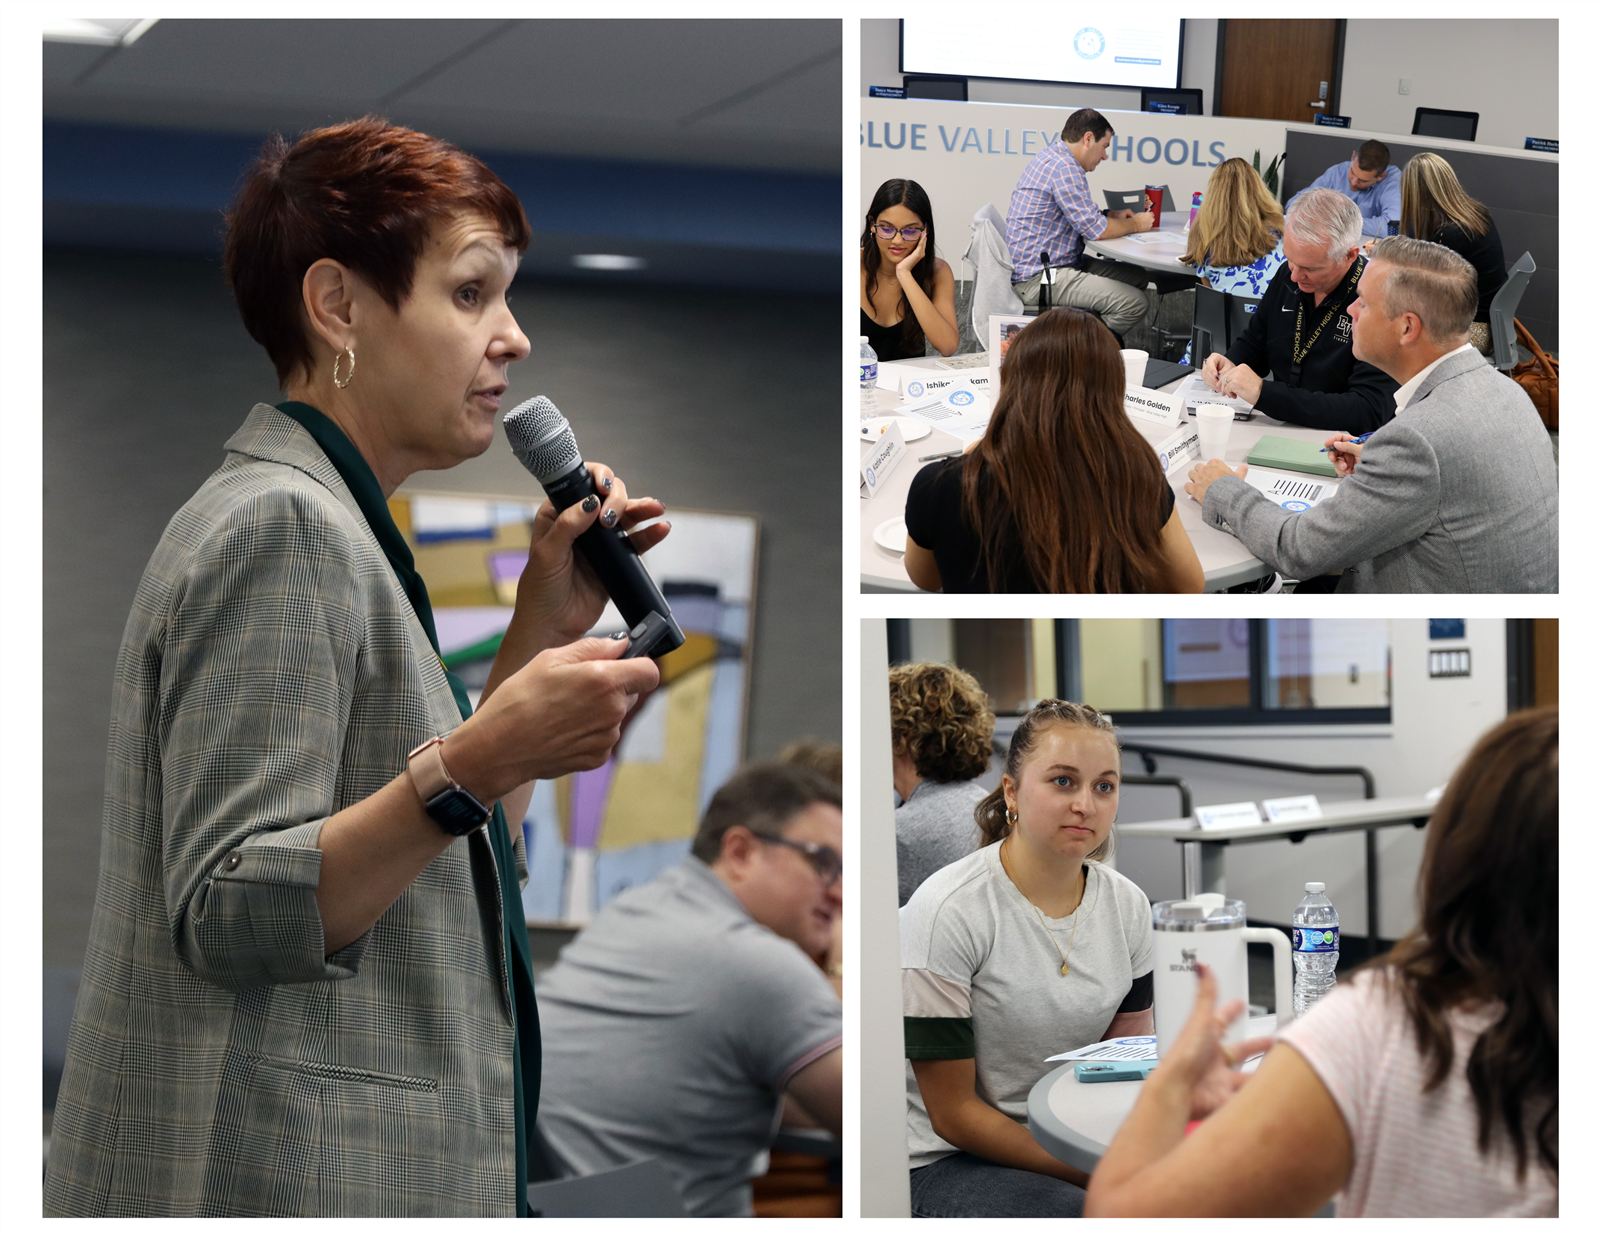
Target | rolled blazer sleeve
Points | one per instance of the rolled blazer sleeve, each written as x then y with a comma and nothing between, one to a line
1391,498
262,643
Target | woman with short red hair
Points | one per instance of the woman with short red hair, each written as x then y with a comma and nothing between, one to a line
307,988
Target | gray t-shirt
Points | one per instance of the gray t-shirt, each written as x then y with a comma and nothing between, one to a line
671,1027
981,980
933,828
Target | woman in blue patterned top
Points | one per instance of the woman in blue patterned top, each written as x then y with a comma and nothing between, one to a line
1236,243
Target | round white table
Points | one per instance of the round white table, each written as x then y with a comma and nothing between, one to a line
1075,1121
1223,557
1158,249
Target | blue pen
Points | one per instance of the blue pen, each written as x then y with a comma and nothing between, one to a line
1354,441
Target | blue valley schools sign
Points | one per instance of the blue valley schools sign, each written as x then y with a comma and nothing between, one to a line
957,139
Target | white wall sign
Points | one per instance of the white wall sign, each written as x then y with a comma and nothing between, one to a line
881,460
1283,810
1179,450
1149,405
1227,815
969,154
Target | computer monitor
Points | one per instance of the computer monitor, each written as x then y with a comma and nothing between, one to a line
1439,122
926,87
1177,102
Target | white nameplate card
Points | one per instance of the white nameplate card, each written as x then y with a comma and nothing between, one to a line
1179,450
1134,1047
921,383
1149,405
1227,815
1288,810
1292,493
881,460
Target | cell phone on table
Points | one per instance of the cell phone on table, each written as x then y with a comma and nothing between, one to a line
1114,1070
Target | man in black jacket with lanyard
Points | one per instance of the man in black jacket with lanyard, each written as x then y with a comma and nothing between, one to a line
1302,329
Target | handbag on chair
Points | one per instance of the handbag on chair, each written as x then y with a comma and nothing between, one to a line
1539,377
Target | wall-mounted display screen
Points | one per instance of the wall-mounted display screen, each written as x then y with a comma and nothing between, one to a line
1126,50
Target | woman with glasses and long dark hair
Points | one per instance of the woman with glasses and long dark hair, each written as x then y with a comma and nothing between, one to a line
908,295
1426,1084
1062,493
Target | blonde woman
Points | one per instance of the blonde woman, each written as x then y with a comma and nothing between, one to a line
1434,206
1028,947
1236,243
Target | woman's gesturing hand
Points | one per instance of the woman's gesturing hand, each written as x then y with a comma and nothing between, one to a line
908,263
1199,1063
562,712
558,594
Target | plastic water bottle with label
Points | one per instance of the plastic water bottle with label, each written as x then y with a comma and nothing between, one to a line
869,379
1316,947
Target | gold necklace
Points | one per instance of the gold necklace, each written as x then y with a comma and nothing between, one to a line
1065,969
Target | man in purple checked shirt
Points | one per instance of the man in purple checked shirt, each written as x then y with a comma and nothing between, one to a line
1052,211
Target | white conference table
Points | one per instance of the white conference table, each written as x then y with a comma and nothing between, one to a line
1205,850
1158,249
1076,1121
1223,557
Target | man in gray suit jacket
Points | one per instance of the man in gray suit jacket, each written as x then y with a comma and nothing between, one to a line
1456,494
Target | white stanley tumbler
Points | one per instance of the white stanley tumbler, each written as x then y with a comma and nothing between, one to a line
1212,930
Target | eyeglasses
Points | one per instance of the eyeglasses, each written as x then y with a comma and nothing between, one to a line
888,231
827,861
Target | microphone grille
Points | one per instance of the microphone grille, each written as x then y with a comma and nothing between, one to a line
541,439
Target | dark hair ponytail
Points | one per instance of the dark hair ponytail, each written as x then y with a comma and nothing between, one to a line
991,812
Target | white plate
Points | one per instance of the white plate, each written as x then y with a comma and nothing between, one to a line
891,534
911,429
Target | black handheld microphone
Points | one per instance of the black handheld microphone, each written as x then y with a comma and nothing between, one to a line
1044,291
543,442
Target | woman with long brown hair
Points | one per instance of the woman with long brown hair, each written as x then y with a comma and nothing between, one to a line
908,293
1027,947
1062,493
1427,1084
1434,206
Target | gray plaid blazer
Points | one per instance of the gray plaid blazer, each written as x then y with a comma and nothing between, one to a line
1456,494
273,672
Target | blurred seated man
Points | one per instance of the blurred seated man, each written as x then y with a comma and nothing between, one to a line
1456,494
1370,181
1301,332
676,1022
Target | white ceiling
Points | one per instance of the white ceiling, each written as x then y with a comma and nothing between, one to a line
731,93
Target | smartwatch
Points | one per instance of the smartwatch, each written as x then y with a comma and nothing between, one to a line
447,804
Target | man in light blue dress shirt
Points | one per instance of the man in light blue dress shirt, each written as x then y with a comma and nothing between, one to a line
1370,181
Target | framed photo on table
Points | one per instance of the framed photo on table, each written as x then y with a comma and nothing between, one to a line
1003,328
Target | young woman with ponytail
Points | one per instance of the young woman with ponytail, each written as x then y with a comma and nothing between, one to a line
1027,947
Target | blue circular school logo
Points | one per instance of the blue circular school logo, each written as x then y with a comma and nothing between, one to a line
1163,460
960,399
1088,43
1297,507
872,479
914,389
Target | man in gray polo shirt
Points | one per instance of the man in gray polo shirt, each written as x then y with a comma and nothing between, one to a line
674,1025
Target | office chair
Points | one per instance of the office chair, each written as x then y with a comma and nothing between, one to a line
1503,311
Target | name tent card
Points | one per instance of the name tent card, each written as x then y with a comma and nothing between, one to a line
1180,449
882,459
1227,815
1149,405
1288,810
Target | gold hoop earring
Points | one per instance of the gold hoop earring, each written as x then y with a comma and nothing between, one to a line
351,353
1011,817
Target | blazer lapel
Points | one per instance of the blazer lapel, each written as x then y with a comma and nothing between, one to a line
1450,367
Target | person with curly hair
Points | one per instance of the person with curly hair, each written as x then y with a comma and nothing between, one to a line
942,727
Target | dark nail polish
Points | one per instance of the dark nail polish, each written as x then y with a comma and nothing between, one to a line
619,635
609,519
589,504
607,483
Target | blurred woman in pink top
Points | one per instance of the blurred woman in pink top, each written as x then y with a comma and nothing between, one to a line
1424,1086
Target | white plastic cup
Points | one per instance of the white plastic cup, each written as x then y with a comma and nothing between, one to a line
1215,423
1133,361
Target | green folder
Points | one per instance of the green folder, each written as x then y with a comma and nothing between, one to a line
1291,454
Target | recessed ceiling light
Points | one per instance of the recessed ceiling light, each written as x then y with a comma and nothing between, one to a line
106,31
607,261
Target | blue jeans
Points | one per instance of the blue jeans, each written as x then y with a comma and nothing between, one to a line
963,1186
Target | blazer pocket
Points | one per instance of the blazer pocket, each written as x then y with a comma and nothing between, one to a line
306,1137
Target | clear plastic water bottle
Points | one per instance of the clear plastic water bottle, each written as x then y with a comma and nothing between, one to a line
1316,947
869,379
